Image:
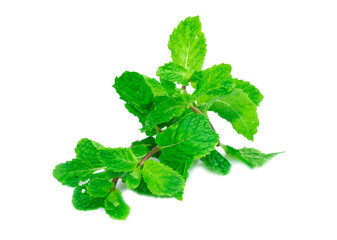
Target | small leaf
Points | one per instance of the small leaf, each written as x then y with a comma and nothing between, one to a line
119,212
174,73
133,178
162,180
217,162
140,151
83,201
119,159
88,150
99,187
250,156
113,198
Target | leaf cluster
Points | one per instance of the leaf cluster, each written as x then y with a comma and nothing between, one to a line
177,127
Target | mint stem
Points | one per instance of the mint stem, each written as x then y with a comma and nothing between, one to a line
115,180
148,155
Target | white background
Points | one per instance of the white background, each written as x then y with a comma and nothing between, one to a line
58,61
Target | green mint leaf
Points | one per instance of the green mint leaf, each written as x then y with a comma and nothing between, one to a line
149,142
188,44
190,138
161,180
132,180
250,156
138,112
99,187
239,110
83,201
217,162
140,151
253,93
142,189
225,87
174,73
170,88
116,207
113,198
156,88
88,150
164,112
119,159
211,79
179,167
107,174
134,90
195,78
72,172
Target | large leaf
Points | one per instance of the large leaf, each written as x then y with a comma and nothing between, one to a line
162,180
190,138
188,44
237,108
119,159
211,79
72,172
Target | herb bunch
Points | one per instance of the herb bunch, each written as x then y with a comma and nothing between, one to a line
177,127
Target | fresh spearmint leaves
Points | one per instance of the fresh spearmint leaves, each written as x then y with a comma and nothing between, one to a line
177,127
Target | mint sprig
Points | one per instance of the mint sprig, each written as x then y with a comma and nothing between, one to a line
177,127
